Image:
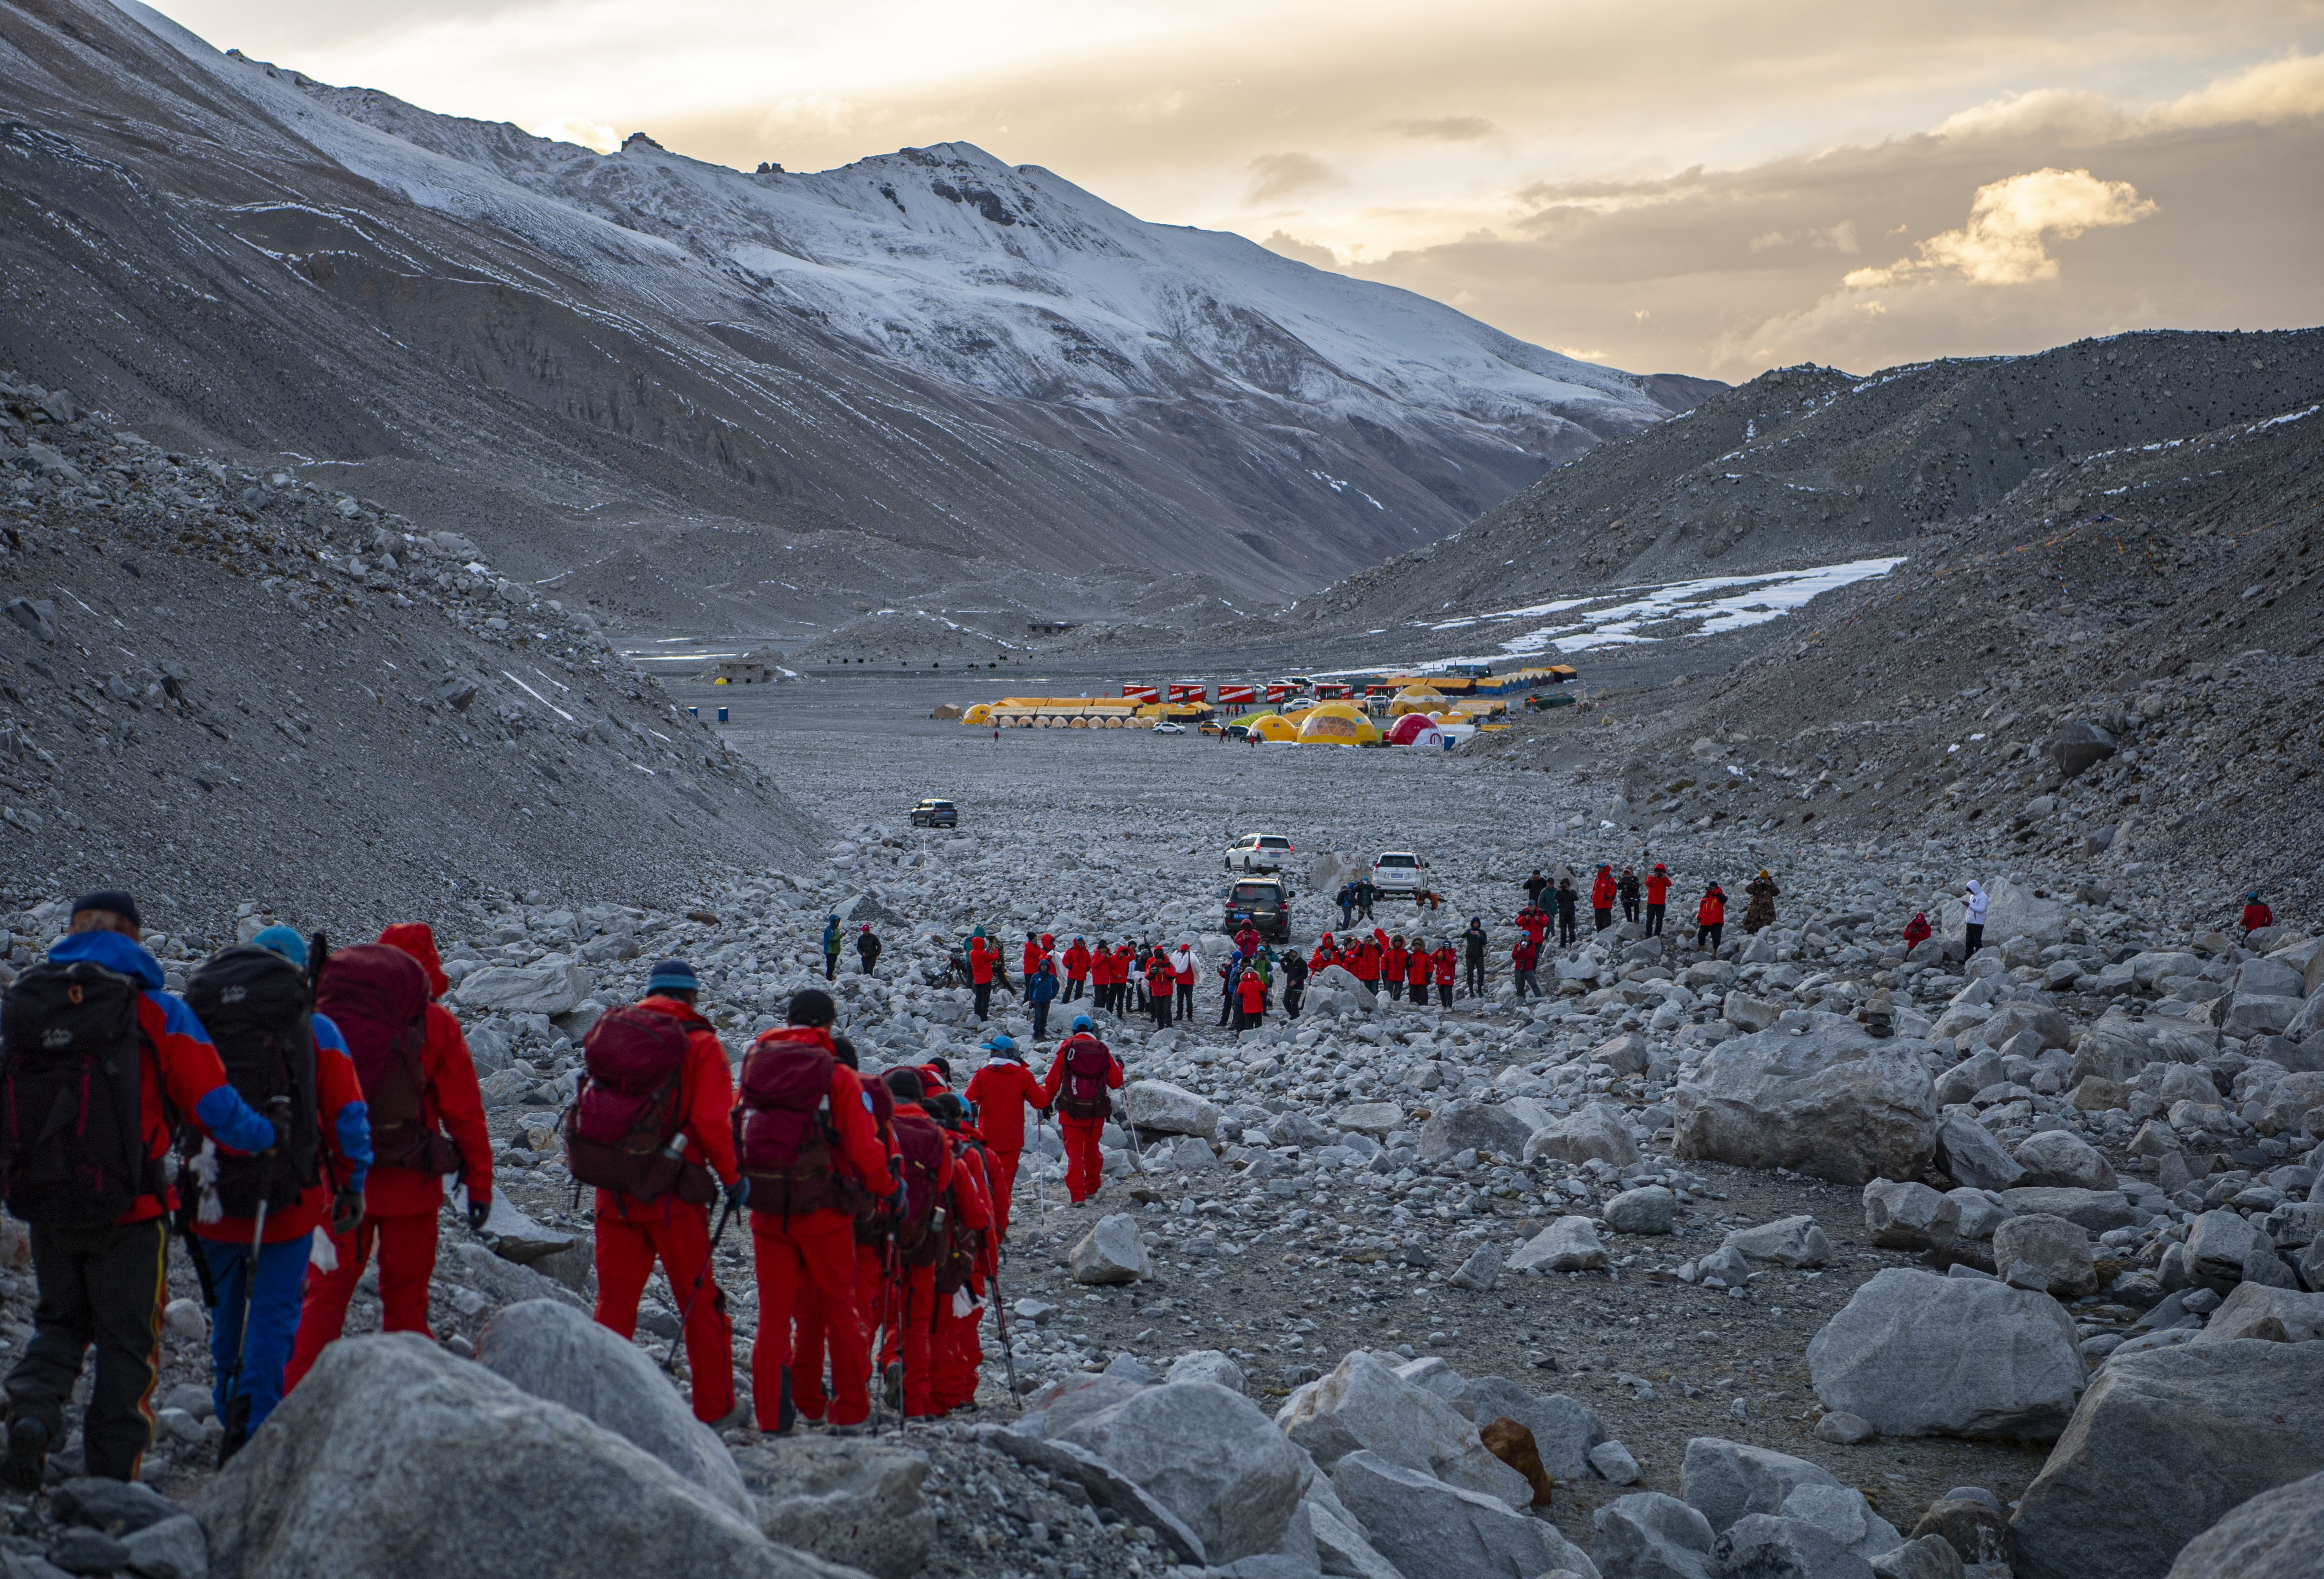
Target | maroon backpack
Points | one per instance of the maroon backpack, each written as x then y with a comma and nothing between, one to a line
921,1151
623,1131
783,1131
378,998
1083,1093
871,1228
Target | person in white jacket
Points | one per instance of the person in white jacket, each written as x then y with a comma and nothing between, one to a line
1973,917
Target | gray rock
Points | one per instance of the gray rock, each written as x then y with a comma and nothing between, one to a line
1597,1131
393,1457
119,1506
1725,1481
1648,1535
1169,1110
551,986
2044,1252
1967,1150
2241,1313
2093,1210
1788,1241
2224,1249
1972,1521
1570,1244
1481,1270
1460,1126
1207,1455
2079,746
1377,1119
1564,1430
1109,1489
1112,1252
1342,1548
2196,1431
175,1548
1920,1356
1364,1406
2272,977
1908,1216
1207,1365
1842,1513
2277,1535
2251,1014
556,1352
1649,1209
1613,1461
1625,1054
853,1502
1928,1558
1753,1014
1763,1545
2057,1158
1431,1530
1980,1214
1833,1102
1843,1429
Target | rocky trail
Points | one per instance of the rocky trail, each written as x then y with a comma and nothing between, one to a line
1761,1287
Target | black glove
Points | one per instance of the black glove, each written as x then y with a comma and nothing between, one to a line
480,1209
346,1210
738,1194
278,1113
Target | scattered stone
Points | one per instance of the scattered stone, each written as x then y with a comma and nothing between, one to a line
1207,1365
1976,1525
1908,1216
1614,1462
2049,1253
1843,1430
1481,1270
1967,1152
1650,1209
1167,1110
1788,1241
1363,1405
1915,1354
1570,1244
854,1502
1112,1252
2298,1318
1598,1131
2057,1158
1726,1480
1648,1535
1928,1557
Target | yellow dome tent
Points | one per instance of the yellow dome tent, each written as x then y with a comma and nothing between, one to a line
1415,698
979,717
1272,727
1337,724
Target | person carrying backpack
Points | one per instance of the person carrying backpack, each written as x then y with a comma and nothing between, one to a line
923,1161
831,946
1183,963
810,1345
419,1083
1602,889
1658,885
257,1003
100,1063
998,1094
1077,1087
1346,900
1711,917
651,1131
963,1264
806,1142
1040,992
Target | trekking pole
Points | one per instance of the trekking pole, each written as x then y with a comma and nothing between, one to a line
725,1216
1041,1128
237,1403
1008,1354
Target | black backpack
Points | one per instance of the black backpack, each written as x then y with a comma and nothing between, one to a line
259,1010
73,1150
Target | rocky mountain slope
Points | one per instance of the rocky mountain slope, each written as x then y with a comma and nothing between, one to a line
1807,466
221,686
706,390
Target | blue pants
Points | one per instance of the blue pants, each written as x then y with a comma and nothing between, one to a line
273,1320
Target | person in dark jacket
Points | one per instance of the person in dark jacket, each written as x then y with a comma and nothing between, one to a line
1040,992
1294,982
1628,889
1473,943
102,1285
1569,900
867,948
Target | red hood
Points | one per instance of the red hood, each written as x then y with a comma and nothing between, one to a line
417,939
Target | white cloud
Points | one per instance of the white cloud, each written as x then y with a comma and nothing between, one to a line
579,129
1305,251
2009,222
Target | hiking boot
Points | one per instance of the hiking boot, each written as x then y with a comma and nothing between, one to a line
733,1419
892,1384
27,1461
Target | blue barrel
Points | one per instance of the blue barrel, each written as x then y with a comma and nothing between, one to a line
722,714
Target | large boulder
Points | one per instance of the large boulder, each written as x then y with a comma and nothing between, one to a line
2012,910
2277,1535
852,1501
1432,1530
2247,1312
1209,1456
1908,1216
556,1352
1650,1535
2224,1248
1570,1244
1460,1126
1598,1131
552,986
1113,1252
1726,1480
2079,746
1363,1405
2037,1251
1563,1429
1920,1356
1832,1101
394,1457
1167,1110
2067,1161
1787,1242
2093,1210
2166,1444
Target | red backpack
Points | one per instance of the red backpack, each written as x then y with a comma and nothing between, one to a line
623,1131
783,1133
870,1223
1083,1093
378,998
920,1148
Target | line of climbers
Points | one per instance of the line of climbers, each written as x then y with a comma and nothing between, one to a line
300,1108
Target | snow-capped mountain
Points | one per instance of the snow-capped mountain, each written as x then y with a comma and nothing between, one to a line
928,346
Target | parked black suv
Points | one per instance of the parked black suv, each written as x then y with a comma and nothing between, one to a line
935,814
1265,902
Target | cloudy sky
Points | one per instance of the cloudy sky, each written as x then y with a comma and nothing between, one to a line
1694,186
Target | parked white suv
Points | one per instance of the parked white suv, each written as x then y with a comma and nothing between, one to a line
1260,852
1398,872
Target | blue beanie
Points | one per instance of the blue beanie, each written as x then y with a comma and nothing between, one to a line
1002,1044
673,973
1082,1023
284,941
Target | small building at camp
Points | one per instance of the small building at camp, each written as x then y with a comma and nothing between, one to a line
759,667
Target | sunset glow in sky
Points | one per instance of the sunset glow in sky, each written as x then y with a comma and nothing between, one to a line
1662,185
